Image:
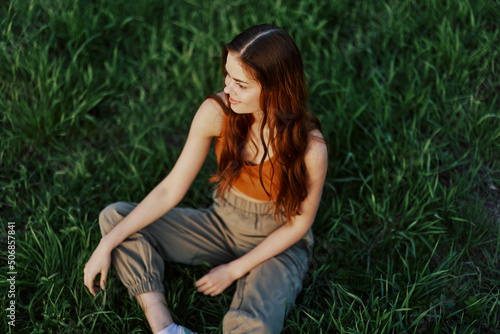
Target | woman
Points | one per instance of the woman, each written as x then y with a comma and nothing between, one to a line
272,166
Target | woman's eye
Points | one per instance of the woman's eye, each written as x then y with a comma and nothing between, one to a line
242,87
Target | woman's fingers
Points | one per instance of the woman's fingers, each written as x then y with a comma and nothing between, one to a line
98,264
94,285
201,284
85,278
90,283
104,275
205,286
89,280
215,281
209,290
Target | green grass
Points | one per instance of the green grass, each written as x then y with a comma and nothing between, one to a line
96,99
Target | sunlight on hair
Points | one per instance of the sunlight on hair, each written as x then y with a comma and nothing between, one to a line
256,38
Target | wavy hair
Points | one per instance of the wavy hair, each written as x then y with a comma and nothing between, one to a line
272,58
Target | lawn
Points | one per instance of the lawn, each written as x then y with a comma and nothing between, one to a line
96,99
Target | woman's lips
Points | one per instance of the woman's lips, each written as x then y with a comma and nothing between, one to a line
233,101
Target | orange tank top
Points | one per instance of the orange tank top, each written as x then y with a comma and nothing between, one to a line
248,181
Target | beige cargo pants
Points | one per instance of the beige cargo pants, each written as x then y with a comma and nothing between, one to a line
225,231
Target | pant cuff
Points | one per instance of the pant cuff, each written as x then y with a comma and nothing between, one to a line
144,287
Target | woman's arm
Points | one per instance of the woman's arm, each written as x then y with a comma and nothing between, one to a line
206,124
219,278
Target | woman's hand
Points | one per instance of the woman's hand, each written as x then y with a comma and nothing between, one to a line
98,263
218,279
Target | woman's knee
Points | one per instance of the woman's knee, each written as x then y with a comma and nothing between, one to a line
111,215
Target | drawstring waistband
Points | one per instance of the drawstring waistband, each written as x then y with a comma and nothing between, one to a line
244,205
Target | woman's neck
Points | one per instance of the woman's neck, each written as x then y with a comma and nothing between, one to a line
255,149
257,125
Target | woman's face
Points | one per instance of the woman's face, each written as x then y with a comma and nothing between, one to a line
243,91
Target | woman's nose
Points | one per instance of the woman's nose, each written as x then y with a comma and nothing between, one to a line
228,85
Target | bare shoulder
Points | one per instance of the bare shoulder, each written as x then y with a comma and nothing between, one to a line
316,146
209,118
316,156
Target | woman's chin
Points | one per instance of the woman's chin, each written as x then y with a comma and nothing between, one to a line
241,111
238,110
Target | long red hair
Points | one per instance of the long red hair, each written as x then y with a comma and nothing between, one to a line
271,56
